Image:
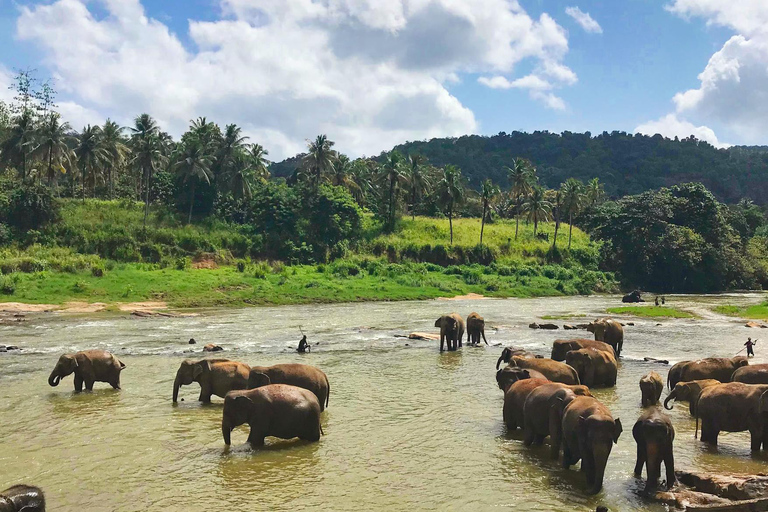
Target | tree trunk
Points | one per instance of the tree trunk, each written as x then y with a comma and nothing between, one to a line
191,202
557,227
535,226
82,176
413,205
50,165
517,216
146,196
450,219
570,229
482,222
391,204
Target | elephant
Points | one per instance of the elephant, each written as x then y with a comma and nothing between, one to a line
632,297
508,352
751,374
553,370
595,367
689,391
609,331
561,347
511,374
651,386
733,407
22,498
451,330
654,434
215,376
543,413
514,401
589,430
294,374
277,410
718,368
89,366
475,329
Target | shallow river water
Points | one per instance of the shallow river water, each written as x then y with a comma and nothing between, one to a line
407,428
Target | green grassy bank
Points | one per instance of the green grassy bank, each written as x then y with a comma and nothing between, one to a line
757,312
650,312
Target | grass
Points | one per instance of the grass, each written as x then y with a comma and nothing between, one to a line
756,312
651,312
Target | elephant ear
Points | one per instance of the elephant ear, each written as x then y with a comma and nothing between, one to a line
438,322
764,403
258,379
618,430
243,401
197,368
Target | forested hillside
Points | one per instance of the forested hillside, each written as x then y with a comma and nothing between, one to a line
624,163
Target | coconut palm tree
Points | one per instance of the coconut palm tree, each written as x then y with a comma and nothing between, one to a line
319,158
341,176
194,164
19,142
259,163
557,208
393,174
90,156
594,194
240,176
418,180
488,192
573,196
522,176
450,192
115,150
54,142
232,143
536,207
149,152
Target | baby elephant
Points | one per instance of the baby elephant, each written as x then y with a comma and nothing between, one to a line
277,410
651,386
22,498
451,330
215,376
89,366
475,329
654,433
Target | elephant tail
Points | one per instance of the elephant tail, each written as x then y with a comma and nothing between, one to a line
321,431
696,432
327,394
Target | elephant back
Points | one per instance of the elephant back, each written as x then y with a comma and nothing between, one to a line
753,374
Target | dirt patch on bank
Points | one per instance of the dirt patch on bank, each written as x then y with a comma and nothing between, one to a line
469,296
18,307
143,306
83,307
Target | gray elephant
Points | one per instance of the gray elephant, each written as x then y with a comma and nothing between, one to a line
22,498
589,431
276,410
215,376
561,347
451,330
595,367
89,366
651,386
514,401
543,413
689,391
610,331
654,435
733,407
553,370
511,374
475,329
752,374
509,352
294,374
718,368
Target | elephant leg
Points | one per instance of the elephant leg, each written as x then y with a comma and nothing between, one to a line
256,438
529,437
669,465
78,383
205,393
115,382
756,438
641,458
588,467
539,440
442,341
554,433
569,459
89,381
709,432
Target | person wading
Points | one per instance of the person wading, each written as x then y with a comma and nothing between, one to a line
749,344
303,345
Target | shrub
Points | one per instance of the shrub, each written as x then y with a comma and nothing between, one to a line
97,271
7,285
31,265
5,234
345,268
31,207
471,276
182,263
261,270
241,266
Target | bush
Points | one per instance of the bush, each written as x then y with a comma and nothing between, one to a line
97,271
345,268
182,263
31,207
7,285
472,276
241,266
262,270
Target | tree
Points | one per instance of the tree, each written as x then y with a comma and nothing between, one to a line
19,142
418,180
488,192
341,176
232,144
573,196
259,161
54,141
536,207
393,173
557,208
148,151
594,194
450,192
522,177
115,152
194,164
90,156
319,158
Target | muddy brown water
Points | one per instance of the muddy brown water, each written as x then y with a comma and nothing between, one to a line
407,428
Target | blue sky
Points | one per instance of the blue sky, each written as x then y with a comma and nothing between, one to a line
372,73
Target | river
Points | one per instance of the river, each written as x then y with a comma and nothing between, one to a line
407,428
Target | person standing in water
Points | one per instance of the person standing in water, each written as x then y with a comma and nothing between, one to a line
749,344
303,345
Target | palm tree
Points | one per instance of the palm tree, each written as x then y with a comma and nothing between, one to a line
259,162
240,176
537,207
341,176
319,158
488,192
557,208
418,180
116,151
90,156
522,177
573,196
231,144
19,142
394,176
149,152
194,164
595,194
54,144
450,192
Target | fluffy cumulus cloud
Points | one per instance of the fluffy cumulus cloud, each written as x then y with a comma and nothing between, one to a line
670,126
369,73
584,20
733,87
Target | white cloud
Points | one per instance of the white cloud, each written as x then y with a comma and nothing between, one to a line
748,17
584,20
538,89
670,126
369,73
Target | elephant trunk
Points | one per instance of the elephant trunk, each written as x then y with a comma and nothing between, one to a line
498,363
601,453
226,431
54,378
670,397
176,386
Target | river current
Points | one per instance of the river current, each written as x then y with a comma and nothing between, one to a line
407,428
